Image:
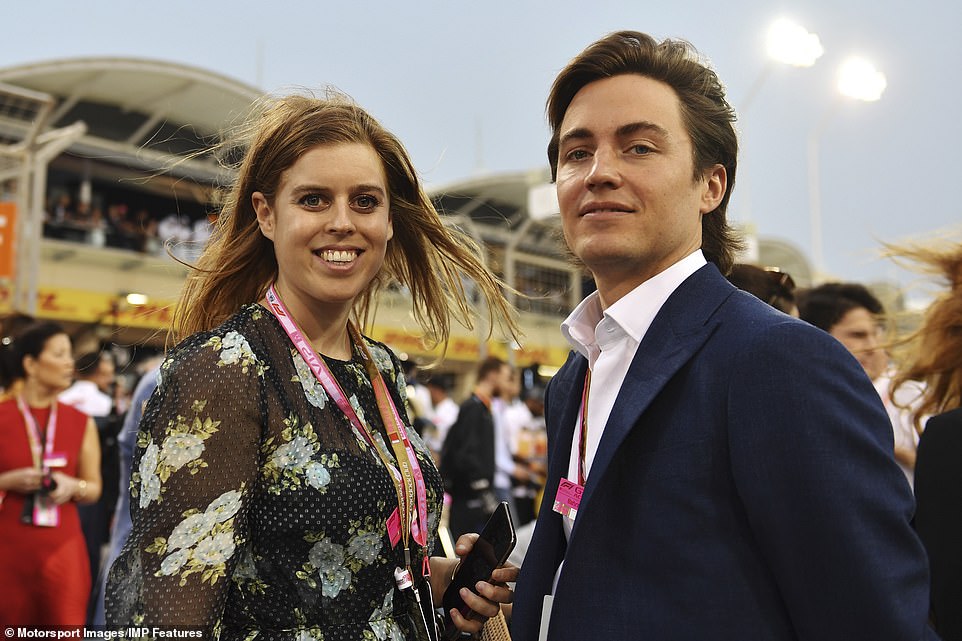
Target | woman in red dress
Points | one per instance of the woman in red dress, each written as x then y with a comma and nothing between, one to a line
49,462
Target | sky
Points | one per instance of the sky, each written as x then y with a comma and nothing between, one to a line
464,85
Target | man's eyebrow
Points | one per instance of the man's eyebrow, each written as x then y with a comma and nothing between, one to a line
580,133
642,126
583,133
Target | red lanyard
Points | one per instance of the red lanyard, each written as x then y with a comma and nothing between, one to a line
33,432
583,433
409,481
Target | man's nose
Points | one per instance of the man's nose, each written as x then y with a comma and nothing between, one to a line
604,169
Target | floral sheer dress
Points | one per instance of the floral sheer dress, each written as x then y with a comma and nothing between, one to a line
258,511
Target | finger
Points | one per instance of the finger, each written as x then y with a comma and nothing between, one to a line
483,605
496,593
465,543
471,626
506,574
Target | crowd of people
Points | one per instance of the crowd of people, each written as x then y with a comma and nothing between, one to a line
121,226
723,456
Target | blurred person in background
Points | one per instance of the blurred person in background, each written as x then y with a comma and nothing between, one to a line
92,390
126,443
93,394
468,456
935,360
49,462
419,398
855,317
278,489
768,284
444,412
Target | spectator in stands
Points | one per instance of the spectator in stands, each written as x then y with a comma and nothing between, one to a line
935,360
854,316
278,488
175,233
768,284
121,232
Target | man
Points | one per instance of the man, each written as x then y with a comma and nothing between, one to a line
728,475
444,412
468,453
127,440
854,316
91,391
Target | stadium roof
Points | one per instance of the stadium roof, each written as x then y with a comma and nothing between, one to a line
139,111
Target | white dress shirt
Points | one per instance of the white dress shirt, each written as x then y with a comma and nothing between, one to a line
609,339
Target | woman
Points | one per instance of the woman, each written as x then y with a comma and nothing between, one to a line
278,488
936,361
770,284
49,462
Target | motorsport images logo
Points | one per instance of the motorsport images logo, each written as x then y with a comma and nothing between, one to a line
75,632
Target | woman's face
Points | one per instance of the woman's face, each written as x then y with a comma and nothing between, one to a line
53,368
330,222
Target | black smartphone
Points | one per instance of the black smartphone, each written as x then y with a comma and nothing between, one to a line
492,549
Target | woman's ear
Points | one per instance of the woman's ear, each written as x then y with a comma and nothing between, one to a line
264,213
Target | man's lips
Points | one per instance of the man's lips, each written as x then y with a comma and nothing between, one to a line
604,208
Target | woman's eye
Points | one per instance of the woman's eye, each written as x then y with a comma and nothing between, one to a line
366,201
312,200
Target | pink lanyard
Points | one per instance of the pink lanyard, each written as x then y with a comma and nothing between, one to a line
33,432
583,433
404,484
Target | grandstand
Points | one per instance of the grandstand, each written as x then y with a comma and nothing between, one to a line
96,154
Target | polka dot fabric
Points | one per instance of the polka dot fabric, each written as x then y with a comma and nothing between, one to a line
258,510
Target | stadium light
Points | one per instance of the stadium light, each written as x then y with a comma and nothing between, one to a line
858,78
790,43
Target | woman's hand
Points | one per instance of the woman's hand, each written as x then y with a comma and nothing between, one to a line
23,480
491,593
67,488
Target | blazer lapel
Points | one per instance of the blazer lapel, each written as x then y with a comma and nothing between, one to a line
679,330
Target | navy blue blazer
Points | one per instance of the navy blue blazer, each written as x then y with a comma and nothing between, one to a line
744,489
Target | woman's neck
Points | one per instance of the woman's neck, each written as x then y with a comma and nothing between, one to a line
36,395
324,327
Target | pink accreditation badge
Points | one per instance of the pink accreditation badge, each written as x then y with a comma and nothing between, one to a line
568,498
394,527
55,459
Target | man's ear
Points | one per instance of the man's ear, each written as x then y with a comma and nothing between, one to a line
264,213
716,181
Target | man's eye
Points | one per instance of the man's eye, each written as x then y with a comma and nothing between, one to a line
312,200
640,150
577,154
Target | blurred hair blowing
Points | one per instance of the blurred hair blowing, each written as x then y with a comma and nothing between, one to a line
934,354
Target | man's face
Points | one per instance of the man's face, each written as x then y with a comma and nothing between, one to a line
105,374
858,330
502,381
630,205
